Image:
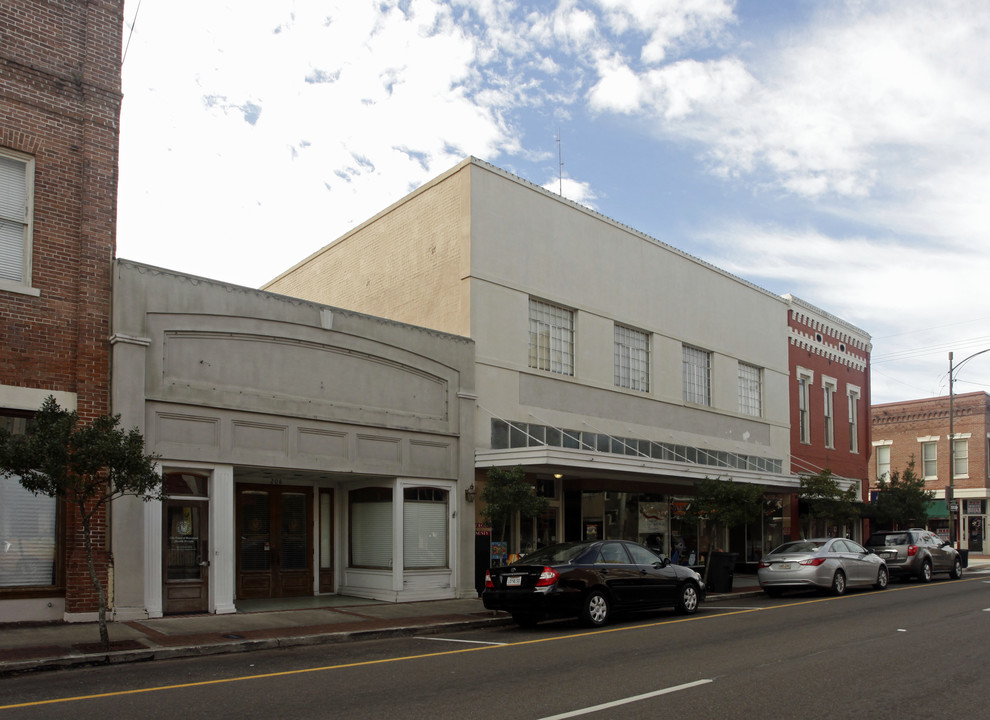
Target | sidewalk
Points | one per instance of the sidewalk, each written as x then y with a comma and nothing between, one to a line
27,647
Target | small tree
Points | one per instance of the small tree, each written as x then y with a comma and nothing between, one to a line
826,500
506,492
903,500
725,504
86,466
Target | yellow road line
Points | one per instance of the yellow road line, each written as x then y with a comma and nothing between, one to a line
366,663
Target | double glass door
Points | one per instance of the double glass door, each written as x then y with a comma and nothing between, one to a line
274,541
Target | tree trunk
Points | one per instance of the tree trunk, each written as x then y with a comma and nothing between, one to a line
97,585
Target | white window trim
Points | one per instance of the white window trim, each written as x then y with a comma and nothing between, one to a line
24,285
759,381
809,379
933,439
853,391
643,384
829,388
955,437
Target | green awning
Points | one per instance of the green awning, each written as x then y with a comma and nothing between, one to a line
938,509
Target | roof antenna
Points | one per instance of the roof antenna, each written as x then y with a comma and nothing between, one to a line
560,167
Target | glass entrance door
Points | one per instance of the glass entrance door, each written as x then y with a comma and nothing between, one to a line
274,542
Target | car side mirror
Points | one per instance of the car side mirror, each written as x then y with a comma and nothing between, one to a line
661,563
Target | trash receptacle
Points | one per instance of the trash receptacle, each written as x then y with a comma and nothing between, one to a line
964,557
720,571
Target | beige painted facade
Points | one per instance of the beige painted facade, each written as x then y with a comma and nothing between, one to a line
251,393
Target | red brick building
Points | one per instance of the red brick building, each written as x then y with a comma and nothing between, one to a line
919,429
59,109
829,363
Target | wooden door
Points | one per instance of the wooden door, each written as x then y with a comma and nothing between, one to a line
186,565
274,541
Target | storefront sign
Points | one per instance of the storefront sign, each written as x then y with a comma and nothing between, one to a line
974,507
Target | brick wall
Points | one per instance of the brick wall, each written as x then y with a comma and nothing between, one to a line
60,103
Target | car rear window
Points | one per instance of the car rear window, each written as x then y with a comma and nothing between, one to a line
889,539
556,554
798,547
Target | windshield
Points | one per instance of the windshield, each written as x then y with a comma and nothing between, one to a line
889,539
800,546
555,554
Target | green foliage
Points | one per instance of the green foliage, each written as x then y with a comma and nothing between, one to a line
86,466
826,500
506,492
902,500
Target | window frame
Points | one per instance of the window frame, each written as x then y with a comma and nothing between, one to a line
551,339
926,444
747,402
956,456
882,448
829,387
25,223
696,375
806,379
631,358
852,400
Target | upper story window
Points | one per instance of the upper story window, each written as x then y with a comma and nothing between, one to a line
804,378
551,338
960,457
828,392
632,359
16,211
750,390
882,453
929,459
852,397
697,368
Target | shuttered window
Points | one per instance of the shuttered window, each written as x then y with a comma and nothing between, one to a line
371,528
16,181
424,533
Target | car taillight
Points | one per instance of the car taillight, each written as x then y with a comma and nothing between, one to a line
547,577
814,562
765,564
489,585
912,550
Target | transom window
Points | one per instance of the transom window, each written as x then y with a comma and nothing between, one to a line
697,370
551,338
632,359
16,191
750,390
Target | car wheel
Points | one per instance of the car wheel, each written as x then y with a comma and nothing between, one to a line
883,577
525,620
687,599
838,583
596,609
926,572
956,569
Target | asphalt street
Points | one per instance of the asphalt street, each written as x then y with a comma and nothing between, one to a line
913,650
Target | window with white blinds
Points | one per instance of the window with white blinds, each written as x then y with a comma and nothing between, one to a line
16,179
424,528
371,528
27,536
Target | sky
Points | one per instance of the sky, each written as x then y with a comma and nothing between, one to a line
836,150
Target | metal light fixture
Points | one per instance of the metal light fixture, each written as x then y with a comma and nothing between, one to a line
469,493
950,490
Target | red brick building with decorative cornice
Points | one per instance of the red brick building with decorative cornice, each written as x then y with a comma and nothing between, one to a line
919,429
60,101
829,362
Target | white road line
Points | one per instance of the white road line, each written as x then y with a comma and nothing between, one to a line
470,642
635,698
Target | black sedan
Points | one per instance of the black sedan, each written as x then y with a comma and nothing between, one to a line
590,580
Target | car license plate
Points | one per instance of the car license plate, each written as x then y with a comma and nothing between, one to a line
783,566
513,580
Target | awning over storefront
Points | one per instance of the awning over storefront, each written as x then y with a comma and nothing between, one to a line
938,509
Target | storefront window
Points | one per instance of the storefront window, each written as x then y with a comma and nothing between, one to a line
27,536
424,528
683,533
371,527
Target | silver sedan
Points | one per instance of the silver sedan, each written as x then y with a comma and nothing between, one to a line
829,564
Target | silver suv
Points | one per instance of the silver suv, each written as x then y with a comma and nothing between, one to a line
915,552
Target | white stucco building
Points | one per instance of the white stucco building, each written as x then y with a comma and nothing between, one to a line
616,369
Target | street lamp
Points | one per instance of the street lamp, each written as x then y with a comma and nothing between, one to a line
952,453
